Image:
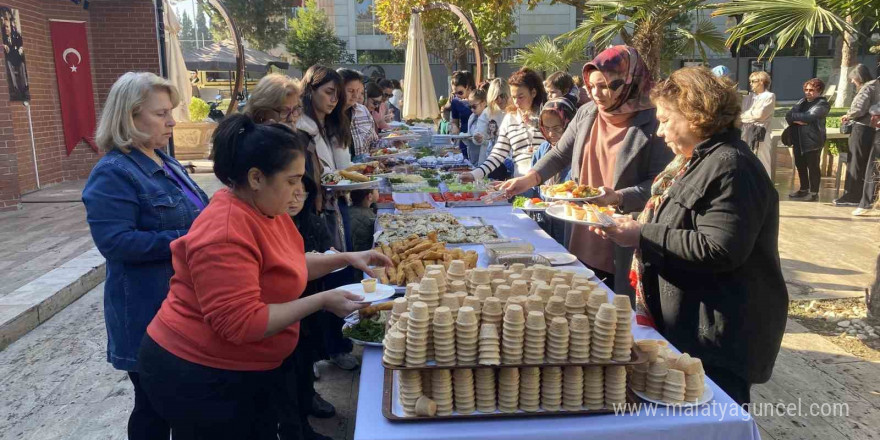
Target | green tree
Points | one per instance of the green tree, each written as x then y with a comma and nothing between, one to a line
312,40
447,38
546,55
786,22
187,33
261,22
643,24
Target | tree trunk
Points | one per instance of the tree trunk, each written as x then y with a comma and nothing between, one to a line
490,67
847,56
648,41
462,60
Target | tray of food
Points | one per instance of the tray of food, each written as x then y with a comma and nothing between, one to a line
348,181
395,227
404,401
413,255
570,191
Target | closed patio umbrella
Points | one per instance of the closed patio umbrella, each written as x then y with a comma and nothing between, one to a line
177,73
419,100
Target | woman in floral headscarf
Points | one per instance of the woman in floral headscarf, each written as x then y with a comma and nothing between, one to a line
611,144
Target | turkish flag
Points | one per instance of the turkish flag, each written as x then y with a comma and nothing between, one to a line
70,47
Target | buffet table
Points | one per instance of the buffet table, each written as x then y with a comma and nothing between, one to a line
721,418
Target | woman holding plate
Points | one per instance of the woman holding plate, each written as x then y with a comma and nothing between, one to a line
610,144
706,266
210,362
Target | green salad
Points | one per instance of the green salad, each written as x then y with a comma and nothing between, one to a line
367,330
519,201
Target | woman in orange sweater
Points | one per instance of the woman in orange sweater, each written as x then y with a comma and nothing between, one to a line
210,359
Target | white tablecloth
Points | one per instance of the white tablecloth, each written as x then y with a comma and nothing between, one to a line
720,419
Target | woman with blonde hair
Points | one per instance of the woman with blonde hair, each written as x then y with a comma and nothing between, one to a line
706,267
276,98
138,200
757,116
490,119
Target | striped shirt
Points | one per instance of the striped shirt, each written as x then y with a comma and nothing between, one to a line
516,140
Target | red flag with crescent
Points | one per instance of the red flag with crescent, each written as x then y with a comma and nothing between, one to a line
70,47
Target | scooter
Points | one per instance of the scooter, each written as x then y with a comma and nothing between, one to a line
215,113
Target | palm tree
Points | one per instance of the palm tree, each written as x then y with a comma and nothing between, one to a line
643,23
544,55
788,21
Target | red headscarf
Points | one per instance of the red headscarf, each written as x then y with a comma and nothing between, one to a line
623,70
562,107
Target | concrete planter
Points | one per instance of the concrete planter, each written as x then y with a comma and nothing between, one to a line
192,140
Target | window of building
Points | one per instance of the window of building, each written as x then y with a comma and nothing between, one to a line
365,20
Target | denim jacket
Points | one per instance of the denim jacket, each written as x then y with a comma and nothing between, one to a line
135,210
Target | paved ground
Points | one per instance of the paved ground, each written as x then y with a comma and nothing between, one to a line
57,385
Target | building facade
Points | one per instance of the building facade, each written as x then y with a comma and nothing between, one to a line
121,36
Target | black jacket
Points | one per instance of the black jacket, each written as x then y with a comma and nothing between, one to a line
810,137
713,279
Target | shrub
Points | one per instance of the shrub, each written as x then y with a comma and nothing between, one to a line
198,109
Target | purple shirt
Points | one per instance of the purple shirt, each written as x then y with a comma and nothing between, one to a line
193,197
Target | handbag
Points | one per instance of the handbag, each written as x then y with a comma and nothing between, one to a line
786,136
753,135
846,127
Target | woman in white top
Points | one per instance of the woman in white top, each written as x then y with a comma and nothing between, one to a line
490,119
519,136
324,118
759,106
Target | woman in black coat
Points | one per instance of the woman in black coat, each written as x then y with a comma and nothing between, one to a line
706,266
807,122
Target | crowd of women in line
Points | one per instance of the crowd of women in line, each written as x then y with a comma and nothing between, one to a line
218,309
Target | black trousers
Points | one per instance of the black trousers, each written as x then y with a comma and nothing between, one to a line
739,389
860,141
201,402
144,423
807,165
872,175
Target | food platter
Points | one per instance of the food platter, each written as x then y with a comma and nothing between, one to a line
347,185
558,212
573,199
348,325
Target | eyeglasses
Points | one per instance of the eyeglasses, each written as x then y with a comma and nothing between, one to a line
474,106
300,197
285,113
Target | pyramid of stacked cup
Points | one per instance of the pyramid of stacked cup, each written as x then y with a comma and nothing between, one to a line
410,390
594,387
429,293
489,345
466,336
444,336
441,391
615,386
535,338
530,389
417,330
623,339
557,341
463,390
602,337
513,335
579,340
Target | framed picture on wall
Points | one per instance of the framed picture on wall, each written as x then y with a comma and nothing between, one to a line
13,52
756,65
